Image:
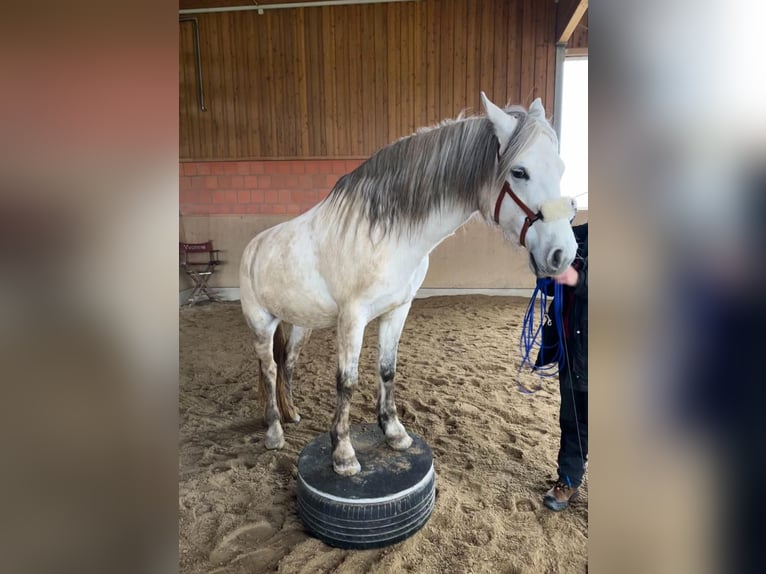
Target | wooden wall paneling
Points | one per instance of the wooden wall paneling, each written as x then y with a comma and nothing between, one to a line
403,76
285,131
526,78
263,81
299,59
420,69
459,41
514,27
346,80
205,144
472,51
294,80
186,87
330,80
433,77
222,97
551,74
258,93
487,51
245,43
212,118
219,93
230,102
540,82
284,96
315,69
252,72
231,54
500,70
277,117
344,125
393,47
259,80
237,50
446,58
360,78
407,113
417,96
420,95
187,95
288,135
380,85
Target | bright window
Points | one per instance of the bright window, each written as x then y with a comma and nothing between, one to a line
574,130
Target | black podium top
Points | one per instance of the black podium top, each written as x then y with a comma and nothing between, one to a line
385,472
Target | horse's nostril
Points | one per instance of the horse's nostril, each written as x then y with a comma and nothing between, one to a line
556,258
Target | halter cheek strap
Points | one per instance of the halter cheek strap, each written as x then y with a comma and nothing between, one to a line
531,217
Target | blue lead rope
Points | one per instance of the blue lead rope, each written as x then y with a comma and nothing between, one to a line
531,333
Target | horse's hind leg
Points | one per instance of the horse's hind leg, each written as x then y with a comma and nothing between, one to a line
350,334
264,326
390,329
299,336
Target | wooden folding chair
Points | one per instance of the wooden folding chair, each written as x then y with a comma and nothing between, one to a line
199,261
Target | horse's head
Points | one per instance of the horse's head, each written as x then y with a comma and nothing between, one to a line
529,207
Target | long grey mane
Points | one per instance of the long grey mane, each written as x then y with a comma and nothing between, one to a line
447,165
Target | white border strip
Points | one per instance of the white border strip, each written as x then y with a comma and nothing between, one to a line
232,293
398,495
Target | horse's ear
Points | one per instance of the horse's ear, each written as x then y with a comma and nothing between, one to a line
537,108
503,124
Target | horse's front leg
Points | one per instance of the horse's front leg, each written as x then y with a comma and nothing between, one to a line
350,332
390,329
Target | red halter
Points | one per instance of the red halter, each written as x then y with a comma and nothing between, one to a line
531,216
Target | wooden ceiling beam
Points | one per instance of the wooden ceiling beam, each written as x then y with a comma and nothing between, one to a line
568,15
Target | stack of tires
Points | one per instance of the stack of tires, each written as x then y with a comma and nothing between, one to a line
388,501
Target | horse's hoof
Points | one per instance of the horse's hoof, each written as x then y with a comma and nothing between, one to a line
275,444
400,442
295,419
347,468
275,441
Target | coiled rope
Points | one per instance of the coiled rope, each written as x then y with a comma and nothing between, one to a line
531,331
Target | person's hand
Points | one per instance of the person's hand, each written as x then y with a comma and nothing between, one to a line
568,277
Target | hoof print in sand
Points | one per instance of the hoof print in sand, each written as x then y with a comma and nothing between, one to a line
515,453
241,539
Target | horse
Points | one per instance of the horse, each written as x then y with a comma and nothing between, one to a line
362,253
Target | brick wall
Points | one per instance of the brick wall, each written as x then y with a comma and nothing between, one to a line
272,187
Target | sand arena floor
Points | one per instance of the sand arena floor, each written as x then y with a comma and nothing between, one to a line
494,448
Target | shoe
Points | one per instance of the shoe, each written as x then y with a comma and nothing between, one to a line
558,497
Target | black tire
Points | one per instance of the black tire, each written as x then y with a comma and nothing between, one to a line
391,499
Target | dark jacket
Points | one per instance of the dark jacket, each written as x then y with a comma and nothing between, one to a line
575,313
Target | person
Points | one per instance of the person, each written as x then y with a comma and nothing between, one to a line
573,376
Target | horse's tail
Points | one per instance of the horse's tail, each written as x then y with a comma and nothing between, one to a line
287,410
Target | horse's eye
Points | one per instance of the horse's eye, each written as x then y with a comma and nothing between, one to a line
519,173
